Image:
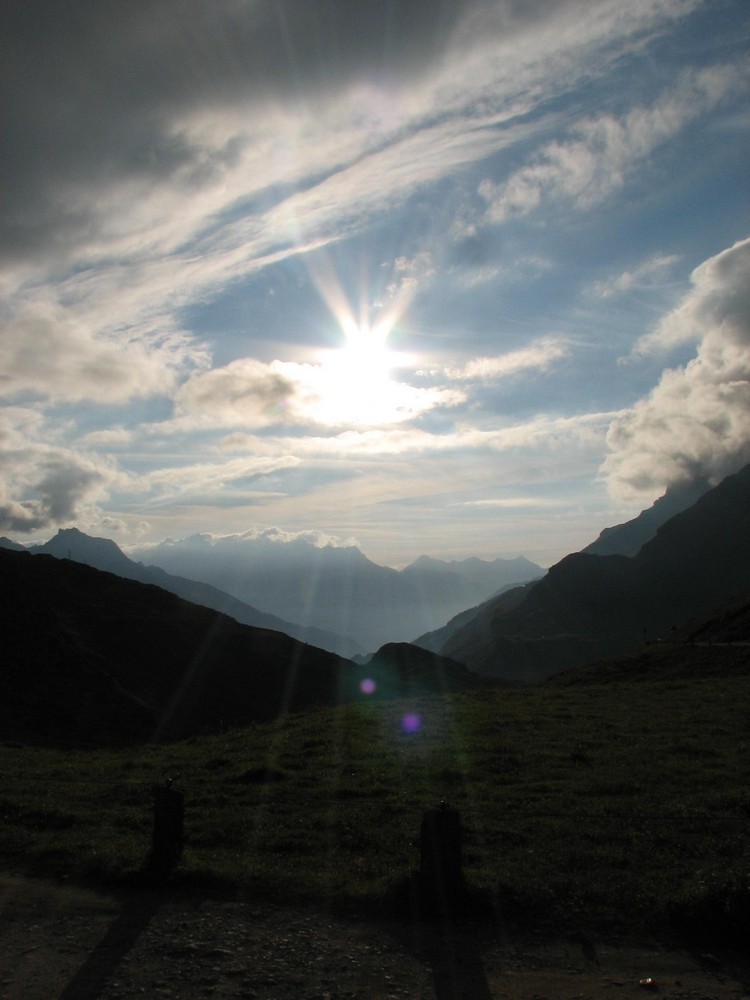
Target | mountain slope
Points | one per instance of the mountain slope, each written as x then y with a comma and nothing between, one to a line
627,539
591,607
104,554
91,657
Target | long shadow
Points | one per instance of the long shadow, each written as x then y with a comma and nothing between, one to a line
92,978
448,938
457,966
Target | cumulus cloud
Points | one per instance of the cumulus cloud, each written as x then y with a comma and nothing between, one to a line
696,421
46,487
605,149
243,393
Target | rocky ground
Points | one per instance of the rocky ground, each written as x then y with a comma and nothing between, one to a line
60,942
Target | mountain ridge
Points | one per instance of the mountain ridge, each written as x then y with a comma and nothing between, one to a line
590,607
106,555
339,588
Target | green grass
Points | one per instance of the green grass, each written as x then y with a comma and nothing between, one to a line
606,806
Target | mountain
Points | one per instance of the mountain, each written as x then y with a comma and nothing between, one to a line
464,579
591,607
403,670
337,587
104,554
6,543
92,657
438,638
627,539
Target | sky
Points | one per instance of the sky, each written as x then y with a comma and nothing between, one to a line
453,278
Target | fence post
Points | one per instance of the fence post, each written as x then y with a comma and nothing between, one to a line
440,841
168,824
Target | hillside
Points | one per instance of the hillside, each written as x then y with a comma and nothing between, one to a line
613,804
629,538
104,554
591,607
91,657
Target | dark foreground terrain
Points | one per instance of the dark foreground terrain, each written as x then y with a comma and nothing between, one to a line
605,820
73,944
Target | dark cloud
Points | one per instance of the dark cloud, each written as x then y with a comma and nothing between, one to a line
91,88
60,485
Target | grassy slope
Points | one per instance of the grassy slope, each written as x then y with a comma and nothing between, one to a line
607,806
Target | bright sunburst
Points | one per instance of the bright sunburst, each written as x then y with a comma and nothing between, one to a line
356,383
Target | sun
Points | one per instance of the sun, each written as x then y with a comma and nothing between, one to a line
358,385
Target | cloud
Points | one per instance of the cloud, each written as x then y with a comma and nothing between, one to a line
540,356
605,149
517,503
155,157
643,276
236,546
542,433
47,352
344,389
243,393
220,481
718,303
696,421
44,487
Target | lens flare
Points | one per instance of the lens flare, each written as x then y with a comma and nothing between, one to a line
368,686
411,722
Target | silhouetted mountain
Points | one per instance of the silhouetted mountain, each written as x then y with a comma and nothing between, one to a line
627,539
104,554
402,670
728,624
591,607
6,543
437,639
338,588
92,657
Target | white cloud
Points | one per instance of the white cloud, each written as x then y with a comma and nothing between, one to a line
539,356
644,275
718,303
543,433
46,351
513,503
210,479
344,389
605,150
696,421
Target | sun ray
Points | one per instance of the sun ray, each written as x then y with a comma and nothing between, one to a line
356,380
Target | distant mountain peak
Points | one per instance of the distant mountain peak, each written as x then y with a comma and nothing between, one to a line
6,543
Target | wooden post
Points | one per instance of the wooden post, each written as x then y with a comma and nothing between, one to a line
168,824
440,840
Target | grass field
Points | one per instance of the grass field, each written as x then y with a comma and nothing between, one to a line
615,806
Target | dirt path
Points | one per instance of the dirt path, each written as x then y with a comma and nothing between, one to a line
64,943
